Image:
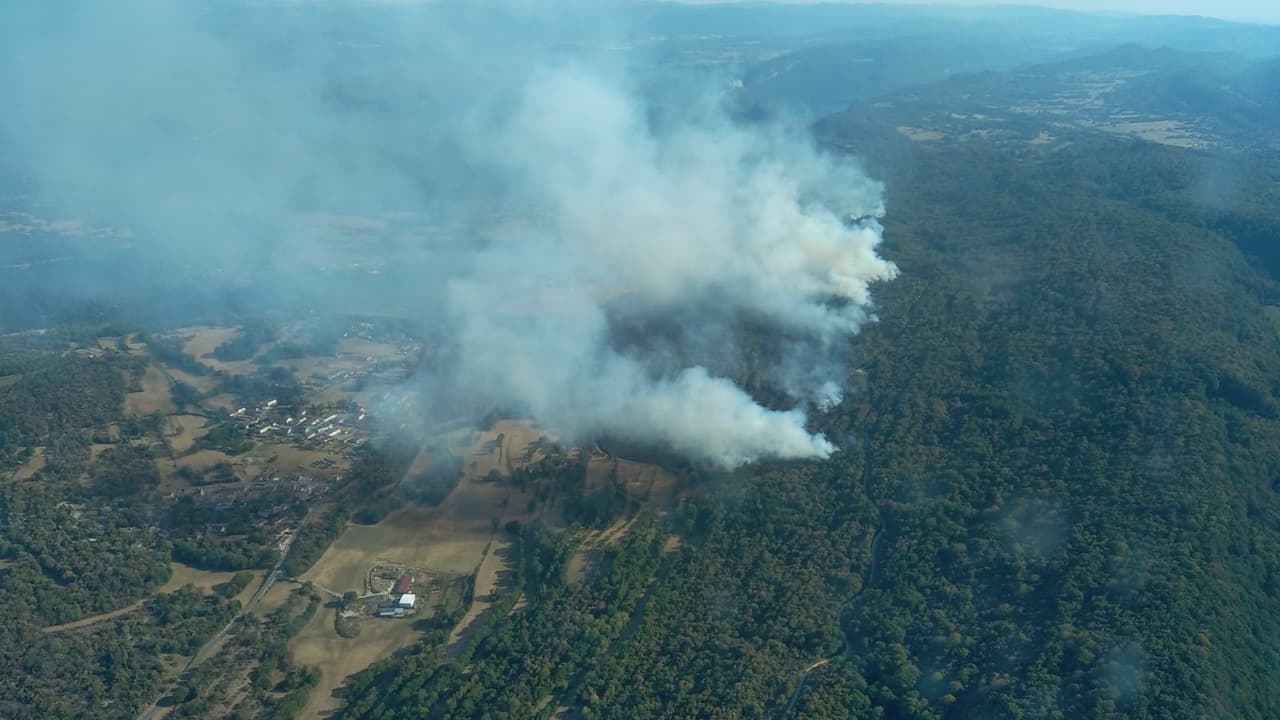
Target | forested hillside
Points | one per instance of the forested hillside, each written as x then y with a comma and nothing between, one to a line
1068,437
55,400
1074,445
1055,494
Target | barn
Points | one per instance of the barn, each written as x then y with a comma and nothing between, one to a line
404,584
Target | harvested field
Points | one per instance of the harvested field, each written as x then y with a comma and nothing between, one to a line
201,460
135,347
201,342
449,538
155,395
490,577
184,430
508,445
437,538
225,401
648,485
203,383
8,380
169,482
443,539
336,657
278,595
205,580
288,459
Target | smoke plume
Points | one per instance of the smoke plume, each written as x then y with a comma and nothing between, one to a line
512,176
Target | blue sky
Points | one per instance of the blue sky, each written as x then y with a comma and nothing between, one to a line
1267,11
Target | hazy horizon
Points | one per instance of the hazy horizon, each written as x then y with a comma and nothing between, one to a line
1248,11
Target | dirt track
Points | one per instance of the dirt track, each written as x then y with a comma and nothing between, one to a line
866,582
182,575
451,537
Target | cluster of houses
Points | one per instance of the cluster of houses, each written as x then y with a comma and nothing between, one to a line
403,598
272,498
330,429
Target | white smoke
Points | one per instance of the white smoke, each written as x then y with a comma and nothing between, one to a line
211,130
703,212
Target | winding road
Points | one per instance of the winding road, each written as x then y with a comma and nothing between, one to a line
866,582
210,646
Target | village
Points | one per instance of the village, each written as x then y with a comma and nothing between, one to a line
295,462
340,431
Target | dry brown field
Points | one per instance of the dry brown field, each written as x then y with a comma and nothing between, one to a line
184,430
205,459
203,383
292,459
336,657
155,394
225,401
451,537
436,538
201,342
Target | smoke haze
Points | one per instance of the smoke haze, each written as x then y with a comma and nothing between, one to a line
510,172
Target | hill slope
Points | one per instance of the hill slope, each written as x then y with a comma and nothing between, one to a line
1058,497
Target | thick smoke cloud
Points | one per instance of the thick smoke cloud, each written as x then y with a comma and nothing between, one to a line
548,195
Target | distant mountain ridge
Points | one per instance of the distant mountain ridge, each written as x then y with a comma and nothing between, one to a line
1167,95
855,53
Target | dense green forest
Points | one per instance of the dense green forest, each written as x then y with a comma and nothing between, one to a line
1064,445
70,550
53,402
108,670
1076,468
64,564
1055,494
1056,497
87,538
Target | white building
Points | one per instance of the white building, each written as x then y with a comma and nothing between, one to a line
407,600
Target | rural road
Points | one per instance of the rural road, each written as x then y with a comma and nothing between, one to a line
326,591
153,711
337,595
870,578
93,619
